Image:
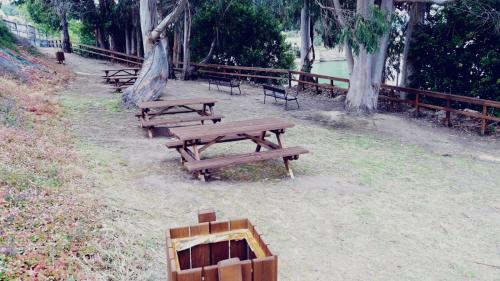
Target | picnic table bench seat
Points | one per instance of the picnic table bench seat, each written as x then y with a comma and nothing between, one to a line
178,120
289,153
150,112
280,93
223,81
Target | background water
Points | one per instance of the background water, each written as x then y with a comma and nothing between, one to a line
336,68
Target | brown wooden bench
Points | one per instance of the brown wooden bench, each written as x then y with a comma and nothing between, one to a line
280,93
223,81
184,120
290,153
151,111
195,140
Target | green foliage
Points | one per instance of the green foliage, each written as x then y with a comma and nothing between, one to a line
6,38
42,15
456,51
366,32
247,34
80,32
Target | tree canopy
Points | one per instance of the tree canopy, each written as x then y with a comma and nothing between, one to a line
246,34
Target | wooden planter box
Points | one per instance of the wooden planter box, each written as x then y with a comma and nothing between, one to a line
219,251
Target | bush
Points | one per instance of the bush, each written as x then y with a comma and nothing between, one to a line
7,40
457,52
248,35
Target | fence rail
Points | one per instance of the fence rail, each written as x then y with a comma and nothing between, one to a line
27,31
392,94
87,50
448,103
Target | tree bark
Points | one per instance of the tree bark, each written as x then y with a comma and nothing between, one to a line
66,44
362,98
153,76
100,40
186,59
305,36
416,16
128,31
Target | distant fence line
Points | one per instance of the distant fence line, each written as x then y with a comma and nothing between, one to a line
419,99
35,36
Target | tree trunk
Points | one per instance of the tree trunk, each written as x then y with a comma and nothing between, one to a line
305,36
416,15
186,59
362,97
133,49
380,55
112,45
66,44
99,38
153,76
127,40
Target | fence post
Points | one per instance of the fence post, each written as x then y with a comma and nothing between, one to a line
448,113
331,89
483,120
289,78
317,85
417,104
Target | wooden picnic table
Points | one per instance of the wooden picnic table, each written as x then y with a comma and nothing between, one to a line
192,141
150,111
121,71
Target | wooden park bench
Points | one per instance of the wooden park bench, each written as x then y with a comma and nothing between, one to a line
280,93
150,111
197,139
222,81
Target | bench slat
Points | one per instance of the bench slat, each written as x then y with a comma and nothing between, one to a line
167,103
176,120
230,160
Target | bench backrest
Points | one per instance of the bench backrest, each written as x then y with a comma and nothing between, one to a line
274,89
219,78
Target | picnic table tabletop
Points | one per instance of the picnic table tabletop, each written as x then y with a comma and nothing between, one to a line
179,102
230,128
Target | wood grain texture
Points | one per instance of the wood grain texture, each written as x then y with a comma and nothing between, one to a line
190,275
265,269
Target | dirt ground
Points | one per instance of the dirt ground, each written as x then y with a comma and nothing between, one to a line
385,198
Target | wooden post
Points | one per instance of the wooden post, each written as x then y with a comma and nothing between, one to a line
448,113
417,106
331,90
289,79
206,215
483,120
317,85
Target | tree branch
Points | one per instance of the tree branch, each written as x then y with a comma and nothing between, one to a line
168,20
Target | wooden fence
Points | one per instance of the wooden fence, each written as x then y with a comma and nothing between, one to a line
91,51
487,111
482,109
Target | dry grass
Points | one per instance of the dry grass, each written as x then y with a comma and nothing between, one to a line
46,232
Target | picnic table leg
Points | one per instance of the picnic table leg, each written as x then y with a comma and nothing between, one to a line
262,136
199,174
281,144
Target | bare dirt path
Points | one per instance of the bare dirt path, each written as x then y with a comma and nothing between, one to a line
376,199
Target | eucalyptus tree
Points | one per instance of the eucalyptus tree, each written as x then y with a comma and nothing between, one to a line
153,76
363,27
